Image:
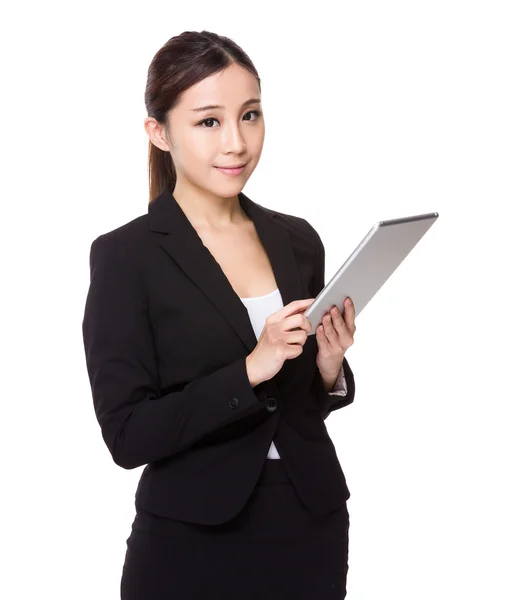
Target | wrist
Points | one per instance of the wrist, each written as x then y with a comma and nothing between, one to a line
330,377
250,370
329,381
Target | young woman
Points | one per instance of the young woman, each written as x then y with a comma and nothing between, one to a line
200,362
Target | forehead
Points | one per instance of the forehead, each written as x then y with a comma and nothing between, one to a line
230,88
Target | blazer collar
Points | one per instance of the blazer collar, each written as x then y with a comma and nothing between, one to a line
185,247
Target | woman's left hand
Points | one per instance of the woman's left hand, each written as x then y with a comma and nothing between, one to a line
334,337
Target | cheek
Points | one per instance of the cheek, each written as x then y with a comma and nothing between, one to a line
195,148
201,152
195,164
255,145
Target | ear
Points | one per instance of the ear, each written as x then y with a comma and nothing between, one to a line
156,133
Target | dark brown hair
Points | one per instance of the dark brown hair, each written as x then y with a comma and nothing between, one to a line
182,62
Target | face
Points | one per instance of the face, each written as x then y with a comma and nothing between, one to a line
202,140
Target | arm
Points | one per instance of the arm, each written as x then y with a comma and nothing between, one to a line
339,388
138,424
334,399
333,402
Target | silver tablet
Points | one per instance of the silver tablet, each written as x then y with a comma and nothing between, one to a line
372,262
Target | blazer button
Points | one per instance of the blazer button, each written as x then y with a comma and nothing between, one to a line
272,404
233,403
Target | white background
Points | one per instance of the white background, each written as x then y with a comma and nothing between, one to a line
373,110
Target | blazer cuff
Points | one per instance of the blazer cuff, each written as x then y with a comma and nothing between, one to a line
340,387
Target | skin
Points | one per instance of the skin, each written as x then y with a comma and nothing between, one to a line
200,141
334,336
229,136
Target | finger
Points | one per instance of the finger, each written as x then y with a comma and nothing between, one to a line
349,314
305,323
343,335
294,307
296,338
321,338
330,329
338,321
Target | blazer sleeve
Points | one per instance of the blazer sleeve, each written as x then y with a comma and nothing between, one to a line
330,401
138,424
340,388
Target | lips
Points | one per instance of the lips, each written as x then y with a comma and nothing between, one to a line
232,166
232,171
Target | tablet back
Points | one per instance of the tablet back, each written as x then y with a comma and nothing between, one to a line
371,263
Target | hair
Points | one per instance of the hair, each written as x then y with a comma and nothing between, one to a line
179,64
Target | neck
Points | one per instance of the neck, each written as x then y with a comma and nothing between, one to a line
204,209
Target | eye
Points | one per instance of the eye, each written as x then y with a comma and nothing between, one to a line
250,112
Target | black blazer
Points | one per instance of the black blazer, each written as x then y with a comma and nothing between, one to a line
166,339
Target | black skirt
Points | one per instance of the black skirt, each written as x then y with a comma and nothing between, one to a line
274,548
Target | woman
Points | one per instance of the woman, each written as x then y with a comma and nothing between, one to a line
200,362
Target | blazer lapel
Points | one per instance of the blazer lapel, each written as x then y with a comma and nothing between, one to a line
185,247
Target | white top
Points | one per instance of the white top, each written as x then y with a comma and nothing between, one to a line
259,308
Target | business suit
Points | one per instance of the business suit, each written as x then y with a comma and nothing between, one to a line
166,339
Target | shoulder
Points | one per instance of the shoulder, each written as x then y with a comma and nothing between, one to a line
296,225
119,250
299,227
125,236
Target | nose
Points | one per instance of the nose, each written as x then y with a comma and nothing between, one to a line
233,139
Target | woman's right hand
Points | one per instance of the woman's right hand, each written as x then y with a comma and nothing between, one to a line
278,342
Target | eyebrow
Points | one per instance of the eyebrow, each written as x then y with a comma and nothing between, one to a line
214,106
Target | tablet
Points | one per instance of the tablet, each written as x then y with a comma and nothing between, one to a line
371,263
